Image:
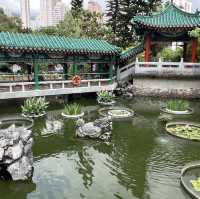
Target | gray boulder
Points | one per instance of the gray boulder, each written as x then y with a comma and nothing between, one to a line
21,170
99,129
16,153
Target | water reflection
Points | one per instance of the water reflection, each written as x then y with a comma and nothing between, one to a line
140,162
85,167
16,189
52,126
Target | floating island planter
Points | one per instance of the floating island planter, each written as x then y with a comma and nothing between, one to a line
116,112
34,107
177,107
190,179
106,98
72,111
17,122
185,130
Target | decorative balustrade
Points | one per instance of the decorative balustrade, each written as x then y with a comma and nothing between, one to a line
50,85
159,69
167,68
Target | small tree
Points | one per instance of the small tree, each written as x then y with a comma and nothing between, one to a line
10,24
168,54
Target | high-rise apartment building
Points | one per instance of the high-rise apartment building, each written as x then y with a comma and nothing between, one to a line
51,12
94,6
185,5
58,13
25,13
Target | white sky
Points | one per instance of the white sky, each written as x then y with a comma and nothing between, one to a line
35,4
14,5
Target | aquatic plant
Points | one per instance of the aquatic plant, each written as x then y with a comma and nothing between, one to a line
196,184
72,109
185,131
105,96
34,106
177,105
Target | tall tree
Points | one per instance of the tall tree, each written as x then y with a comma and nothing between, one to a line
120,14
113,13
76,6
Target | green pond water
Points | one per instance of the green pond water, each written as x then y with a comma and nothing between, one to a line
141,162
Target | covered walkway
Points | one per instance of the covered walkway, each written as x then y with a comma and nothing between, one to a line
39,65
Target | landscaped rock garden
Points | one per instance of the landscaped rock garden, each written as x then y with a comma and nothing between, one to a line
16,157
99,129
184,130
125,89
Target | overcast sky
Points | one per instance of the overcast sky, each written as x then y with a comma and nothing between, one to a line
35,4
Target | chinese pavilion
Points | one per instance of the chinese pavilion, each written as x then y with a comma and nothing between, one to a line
171,25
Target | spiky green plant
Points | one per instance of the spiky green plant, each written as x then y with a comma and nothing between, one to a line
177,105
105,96
34,106
72,109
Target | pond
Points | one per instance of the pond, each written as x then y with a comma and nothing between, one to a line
142,161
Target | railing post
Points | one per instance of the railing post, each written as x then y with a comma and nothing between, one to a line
89,84
99,83
181,66
51,86
136,65
160,66
23,87
63,85
10,88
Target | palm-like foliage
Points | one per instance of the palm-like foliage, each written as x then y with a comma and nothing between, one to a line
105,96
35,106
72,109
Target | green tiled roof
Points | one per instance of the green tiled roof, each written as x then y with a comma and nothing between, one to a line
132,52
55,43
172,17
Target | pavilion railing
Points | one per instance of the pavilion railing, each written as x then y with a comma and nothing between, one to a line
159,68
167,68
46,85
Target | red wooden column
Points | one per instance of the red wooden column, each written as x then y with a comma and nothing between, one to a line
194,50
148,47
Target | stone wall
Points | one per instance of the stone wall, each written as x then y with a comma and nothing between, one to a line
165,87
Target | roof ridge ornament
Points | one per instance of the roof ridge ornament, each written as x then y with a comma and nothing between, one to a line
197,12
